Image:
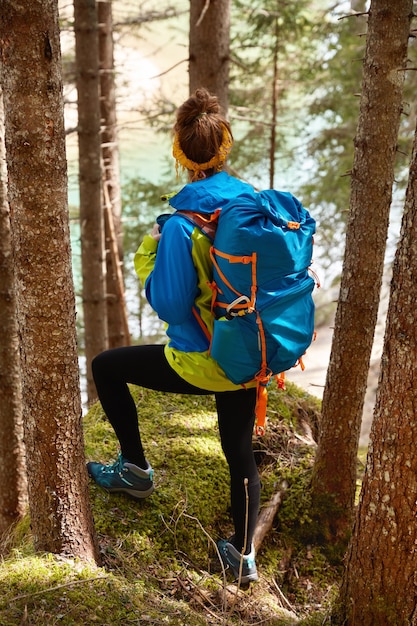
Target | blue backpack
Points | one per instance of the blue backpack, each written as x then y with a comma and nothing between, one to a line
262,288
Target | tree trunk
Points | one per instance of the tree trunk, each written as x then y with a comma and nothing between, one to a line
209,47
13,492
274,107
61,518
90,180
117,326
379,585
334,476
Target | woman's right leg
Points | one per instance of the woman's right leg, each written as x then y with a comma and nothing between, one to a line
236,415
145,366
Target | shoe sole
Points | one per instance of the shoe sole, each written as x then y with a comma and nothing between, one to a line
135,494
244,580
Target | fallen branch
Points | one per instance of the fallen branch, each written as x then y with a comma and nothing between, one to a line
267,516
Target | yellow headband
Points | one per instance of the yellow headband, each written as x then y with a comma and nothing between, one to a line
216,162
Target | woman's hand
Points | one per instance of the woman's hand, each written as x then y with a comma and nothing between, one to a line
155,232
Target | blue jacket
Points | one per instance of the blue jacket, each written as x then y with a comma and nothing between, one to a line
177,273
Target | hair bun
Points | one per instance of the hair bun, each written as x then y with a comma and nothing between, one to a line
206,102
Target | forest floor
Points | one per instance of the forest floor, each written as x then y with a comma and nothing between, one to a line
159,561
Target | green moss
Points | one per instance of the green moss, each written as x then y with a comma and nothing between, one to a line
159,562
63,591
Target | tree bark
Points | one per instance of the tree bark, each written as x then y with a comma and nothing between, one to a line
61,518
334,475
90,182
13,492
117,325
380,585
274,107
209,47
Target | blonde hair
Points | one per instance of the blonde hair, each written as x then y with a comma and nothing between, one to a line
202,135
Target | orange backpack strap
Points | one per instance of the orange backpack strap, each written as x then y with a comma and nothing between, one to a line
260,410
280,378
262,399
206,222
202,324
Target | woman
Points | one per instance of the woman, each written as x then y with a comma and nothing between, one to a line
175,267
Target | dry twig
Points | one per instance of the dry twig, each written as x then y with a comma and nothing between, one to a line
203,12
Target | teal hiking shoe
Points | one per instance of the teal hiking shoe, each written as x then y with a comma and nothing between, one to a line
123,477
243,566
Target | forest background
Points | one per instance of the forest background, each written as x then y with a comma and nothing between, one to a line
310,131
316,126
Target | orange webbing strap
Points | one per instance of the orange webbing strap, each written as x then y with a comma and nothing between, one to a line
262,400
246,260
262,378
202,324
214,291
260,411
236,258
280,378
213,253
206,222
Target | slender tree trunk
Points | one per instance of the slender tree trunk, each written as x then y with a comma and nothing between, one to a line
13,491
334,476
380,585
61,518
209,47
118,330
90,180
274,107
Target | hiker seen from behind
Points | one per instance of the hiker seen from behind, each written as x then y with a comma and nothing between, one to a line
181,264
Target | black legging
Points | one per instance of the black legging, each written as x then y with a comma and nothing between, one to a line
147,366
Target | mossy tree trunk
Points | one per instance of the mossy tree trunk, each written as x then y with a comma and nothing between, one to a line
209,41
380,585
13,491
61,518
334,475
90,183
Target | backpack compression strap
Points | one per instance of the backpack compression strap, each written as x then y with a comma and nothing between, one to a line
242,304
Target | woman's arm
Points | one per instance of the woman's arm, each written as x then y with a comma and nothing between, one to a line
167,271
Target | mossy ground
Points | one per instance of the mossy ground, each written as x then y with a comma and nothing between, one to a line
159,561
